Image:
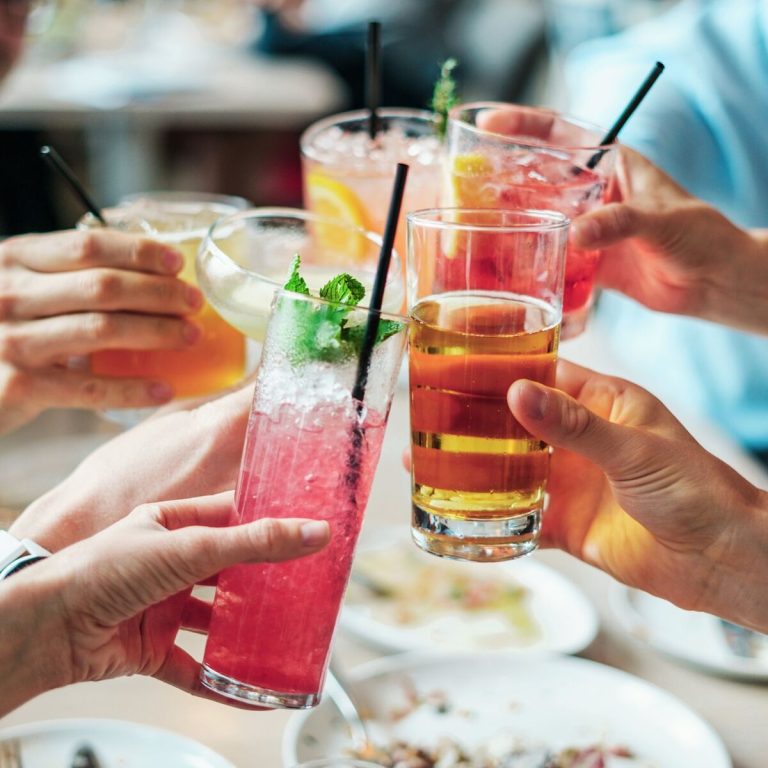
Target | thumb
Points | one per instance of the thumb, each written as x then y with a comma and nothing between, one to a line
562,421
207,550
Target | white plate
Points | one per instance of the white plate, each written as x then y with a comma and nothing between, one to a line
117,744
553,702
693,637
562,619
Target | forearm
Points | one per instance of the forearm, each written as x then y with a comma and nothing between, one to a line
32,657
739,295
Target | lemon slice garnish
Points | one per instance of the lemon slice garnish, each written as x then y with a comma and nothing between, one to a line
334,200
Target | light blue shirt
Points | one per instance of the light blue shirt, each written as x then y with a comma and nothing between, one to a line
705,123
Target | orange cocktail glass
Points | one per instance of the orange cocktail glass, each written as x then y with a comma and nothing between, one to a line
218,359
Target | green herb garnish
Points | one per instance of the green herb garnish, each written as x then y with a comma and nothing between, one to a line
323,331
445,95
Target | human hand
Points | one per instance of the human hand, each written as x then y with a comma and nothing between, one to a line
68,294
13,23
674,253
631,492
112,605
183,453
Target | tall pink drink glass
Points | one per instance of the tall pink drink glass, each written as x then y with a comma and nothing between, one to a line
310,450
514,157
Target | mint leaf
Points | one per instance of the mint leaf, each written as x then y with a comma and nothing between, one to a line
343,289
322,332
445,96
356,334
295,281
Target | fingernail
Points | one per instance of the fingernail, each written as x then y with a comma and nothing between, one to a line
160,391
535,401
585,231
313,534
172,260
194,297
192,333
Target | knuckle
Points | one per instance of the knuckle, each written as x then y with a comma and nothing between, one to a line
8,297
11,344
270,539
576,420
94,392
86,249
102,287
100,326
14,385
142,252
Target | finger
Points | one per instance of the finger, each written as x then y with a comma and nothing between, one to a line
102,289
516,121
38,343
182,671
563,422
61,388
196,615
612,223
74,250
214,511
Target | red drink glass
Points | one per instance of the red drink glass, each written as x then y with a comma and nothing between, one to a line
310,450
515,157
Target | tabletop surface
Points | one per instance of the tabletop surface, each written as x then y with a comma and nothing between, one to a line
737,710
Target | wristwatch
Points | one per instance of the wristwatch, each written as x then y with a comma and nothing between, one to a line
16,554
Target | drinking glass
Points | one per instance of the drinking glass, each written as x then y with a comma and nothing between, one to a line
514,157
217,361
348,176
247,256
311,450
485,292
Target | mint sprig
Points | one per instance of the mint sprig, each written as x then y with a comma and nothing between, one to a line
323,331
445,96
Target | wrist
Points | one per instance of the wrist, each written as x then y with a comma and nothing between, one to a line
738,293
55,520
738,591
33,646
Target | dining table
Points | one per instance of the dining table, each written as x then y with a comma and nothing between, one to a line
736,708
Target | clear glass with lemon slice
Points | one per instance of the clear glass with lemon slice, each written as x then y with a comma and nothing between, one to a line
348,176
247,256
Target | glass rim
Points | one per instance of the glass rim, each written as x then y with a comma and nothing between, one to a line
300,214
540,220
281,292
531,141
236,202
404,113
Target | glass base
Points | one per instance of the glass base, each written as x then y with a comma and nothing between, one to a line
253,695
484,541
575,322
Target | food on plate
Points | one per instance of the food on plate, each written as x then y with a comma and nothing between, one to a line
403,587
503,752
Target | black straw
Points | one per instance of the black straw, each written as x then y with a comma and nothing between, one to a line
373,76
629,110
379,283
56,161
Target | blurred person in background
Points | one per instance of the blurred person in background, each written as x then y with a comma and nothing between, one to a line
26,199
495,41
66,294
702,123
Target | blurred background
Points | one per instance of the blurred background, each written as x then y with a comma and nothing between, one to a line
212,95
